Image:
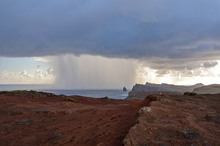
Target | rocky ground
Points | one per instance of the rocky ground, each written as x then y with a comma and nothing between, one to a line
44,119
189,120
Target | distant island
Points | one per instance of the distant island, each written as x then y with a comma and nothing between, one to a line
140,91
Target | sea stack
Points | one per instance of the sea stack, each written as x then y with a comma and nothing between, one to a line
124,89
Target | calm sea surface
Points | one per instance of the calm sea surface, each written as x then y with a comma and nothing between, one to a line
116,94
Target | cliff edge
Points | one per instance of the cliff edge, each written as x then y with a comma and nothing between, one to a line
140,91
177,120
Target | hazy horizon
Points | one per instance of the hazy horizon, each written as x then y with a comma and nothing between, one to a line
45,87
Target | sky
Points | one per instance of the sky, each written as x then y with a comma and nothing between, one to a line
109,44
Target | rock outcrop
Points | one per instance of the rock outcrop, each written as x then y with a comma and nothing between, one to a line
125,89
177,120
140,91
210,89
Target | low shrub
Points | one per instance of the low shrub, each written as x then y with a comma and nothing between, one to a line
69,99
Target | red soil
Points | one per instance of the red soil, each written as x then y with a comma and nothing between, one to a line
42,119
29,119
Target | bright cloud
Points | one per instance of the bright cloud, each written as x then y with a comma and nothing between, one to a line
39,76
205,72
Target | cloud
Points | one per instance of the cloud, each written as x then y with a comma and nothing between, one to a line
201,74
210,64
171,37
40,76
40,59
93,72
147,28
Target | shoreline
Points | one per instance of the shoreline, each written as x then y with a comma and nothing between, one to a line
111,93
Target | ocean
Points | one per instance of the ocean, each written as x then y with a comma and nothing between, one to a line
115,94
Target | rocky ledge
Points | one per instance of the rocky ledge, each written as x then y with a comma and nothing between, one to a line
177,120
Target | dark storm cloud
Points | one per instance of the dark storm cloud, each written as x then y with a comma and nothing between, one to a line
179,64
129,29
210,64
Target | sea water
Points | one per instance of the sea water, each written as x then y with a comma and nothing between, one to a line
116,93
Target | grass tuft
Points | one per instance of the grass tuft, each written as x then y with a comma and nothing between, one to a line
70,99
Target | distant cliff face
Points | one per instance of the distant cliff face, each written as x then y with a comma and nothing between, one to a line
140,91
210,89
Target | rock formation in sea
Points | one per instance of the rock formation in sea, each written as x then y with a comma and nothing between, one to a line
125,89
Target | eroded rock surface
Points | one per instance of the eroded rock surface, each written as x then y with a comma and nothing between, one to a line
178,120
